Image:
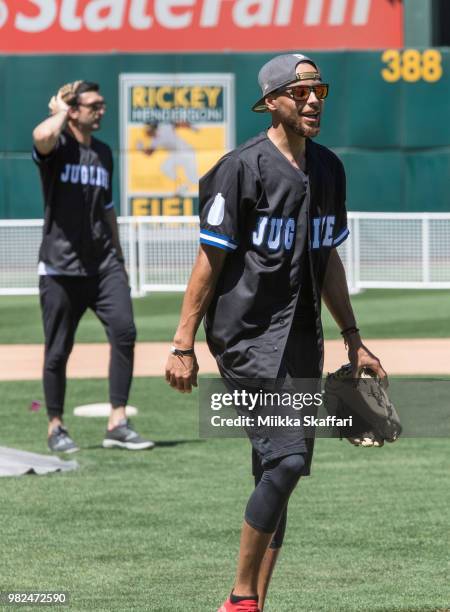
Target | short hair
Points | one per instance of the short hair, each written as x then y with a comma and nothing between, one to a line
85,86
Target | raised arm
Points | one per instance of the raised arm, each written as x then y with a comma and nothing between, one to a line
46,134
181,370
336,297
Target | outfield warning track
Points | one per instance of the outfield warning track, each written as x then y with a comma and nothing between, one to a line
399,356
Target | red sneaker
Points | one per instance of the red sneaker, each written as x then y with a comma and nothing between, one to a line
246,605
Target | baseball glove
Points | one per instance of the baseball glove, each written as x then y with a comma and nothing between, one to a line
374,418
65,97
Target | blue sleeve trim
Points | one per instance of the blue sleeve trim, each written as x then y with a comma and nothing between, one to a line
341,237
36,156
217,242
214,235
108,206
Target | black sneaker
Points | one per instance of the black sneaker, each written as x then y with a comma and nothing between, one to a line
59,441
124,436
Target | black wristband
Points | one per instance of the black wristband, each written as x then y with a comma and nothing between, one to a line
350,330
180,352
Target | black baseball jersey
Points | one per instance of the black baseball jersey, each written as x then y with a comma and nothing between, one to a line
278,225
76,181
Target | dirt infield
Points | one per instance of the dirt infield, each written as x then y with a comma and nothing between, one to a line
418,356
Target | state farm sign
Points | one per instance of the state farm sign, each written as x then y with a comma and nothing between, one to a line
198,25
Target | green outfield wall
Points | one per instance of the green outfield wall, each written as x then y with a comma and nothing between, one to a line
387,117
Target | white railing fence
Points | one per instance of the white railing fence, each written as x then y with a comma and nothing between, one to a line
384,250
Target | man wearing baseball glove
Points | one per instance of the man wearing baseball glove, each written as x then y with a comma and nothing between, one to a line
272,214
81,263
373,417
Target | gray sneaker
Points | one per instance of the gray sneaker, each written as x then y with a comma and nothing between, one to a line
124,436
59,441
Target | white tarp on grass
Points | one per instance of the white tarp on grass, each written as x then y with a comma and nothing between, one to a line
14,462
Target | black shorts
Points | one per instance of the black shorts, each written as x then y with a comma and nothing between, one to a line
300,371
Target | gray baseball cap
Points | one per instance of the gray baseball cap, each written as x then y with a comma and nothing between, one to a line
278,72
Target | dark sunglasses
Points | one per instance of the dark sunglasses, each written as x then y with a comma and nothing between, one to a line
300,93
94,106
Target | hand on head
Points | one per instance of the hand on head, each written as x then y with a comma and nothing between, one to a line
64,98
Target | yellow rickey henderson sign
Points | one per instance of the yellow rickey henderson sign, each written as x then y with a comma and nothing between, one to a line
175,128
175,97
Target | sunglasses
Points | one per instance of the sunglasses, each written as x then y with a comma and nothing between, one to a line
94,106
300,93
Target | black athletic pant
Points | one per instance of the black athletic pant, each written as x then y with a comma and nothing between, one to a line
64,300
276,478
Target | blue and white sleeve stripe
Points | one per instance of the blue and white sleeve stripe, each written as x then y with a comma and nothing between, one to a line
217,240
341,237
110,205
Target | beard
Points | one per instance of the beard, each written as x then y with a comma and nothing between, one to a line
296,126
90,125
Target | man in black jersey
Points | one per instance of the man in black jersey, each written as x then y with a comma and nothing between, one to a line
272,213
81,263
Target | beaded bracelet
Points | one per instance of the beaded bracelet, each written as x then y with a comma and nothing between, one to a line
350,330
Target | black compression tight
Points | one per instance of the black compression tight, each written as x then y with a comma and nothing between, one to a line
267,507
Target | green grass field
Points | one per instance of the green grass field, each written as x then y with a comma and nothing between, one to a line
380,314
158,531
